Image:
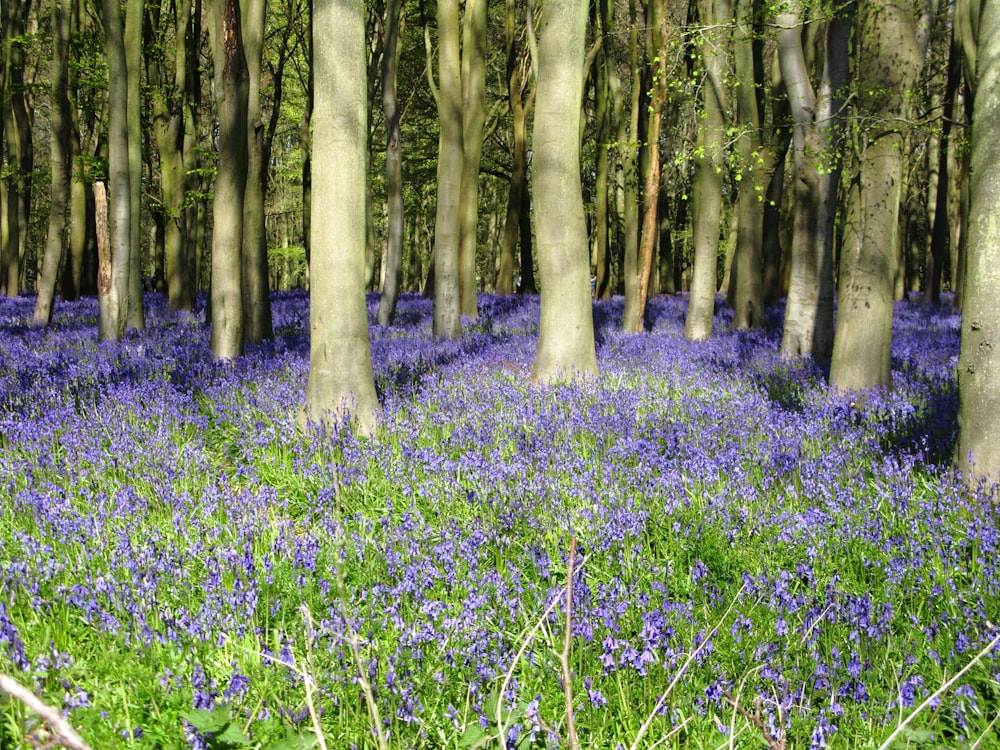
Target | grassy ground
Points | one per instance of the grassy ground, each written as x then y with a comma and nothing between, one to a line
757,563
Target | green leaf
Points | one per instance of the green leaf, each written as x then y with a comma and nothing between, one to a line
473,736
295,741
207,722
232,735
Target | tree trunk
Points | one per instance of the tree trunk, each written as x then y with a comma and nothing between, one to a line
628,138
707,189
393,167
978,450
817,145
17,129
60,153
566,330
755,162
657,48
889,60
135,317
114,317
341,383
257,324
473,120
231,92
447,226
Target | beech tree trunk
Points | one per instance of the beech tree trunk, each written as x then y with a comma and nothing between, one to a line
566,331
341,383
473,120
59,150
115,291
978,450
393,259
231,97
707,189
257,324
447,226
889,60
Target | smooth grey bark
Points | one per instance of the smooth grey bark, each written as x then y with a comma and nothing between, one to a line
889,59
231,93
978,450
114,292
817,147
393,257
257,322
447,226
520,99
59,152
566,348
707,188
628,139
747,296
341,383
167,89
473,121
135,317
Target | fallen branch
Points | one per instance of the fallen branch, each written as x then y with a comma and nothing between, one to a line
62,732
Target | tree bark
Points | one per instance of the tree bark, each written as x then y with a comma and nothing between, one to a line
135,316
393,167
231,94
473,120
257,323
566,331
747,298
447,226
978,450
341,383
707,189
889,61
60,153
114,317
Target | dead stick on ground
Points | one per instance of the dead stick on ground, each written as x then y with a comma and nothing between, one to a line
63,732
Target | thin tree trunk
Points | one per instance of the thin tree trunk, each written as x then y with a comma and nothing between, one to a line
473,120
257,323
628,137
135,317
60,153
393,167
114,319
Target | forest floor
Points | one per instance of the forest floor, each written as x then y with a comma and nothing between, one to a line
757,562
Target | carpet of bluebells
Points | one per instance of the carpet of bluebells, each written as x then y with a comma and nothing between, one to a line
179,562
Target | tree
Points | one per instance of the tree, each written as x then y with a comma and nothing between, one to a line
257,324
393,166
341,382
816,149
17,132
113,292
473,120
566,330
889,58
978,451
60,153
447,228
231,96
707,190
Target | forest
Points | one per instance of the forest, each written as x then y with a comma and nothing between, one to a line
525,374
